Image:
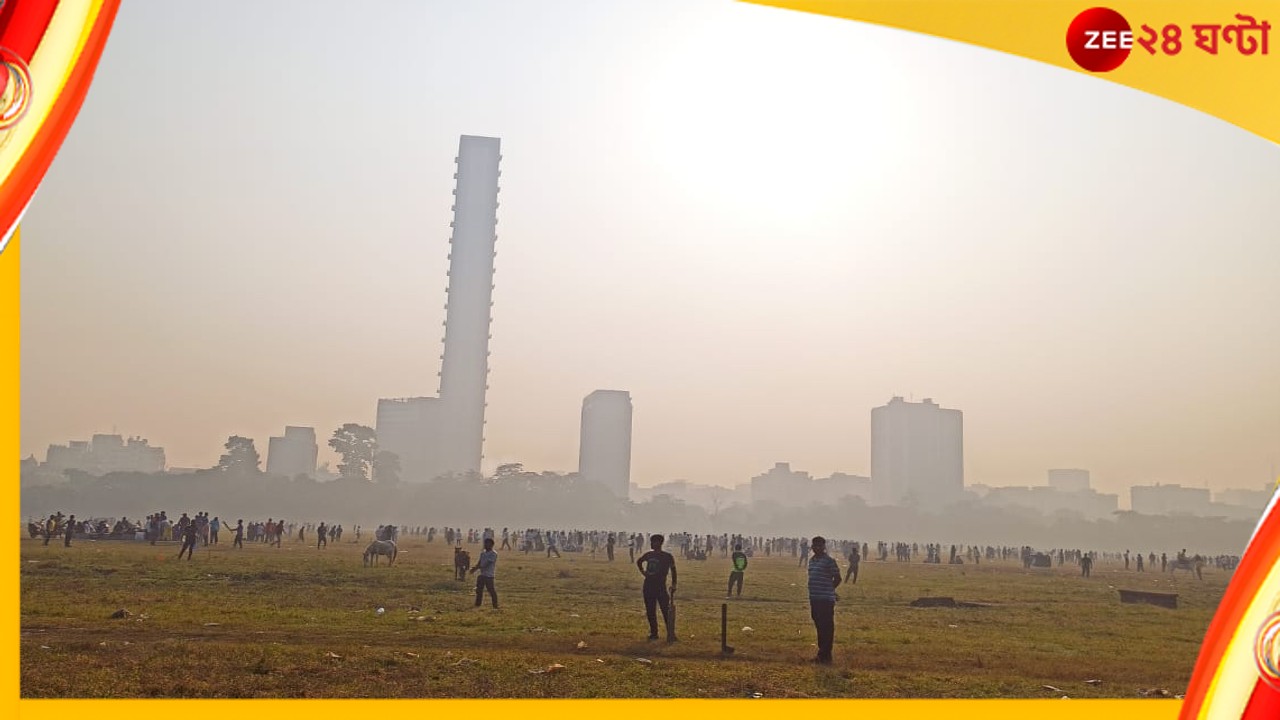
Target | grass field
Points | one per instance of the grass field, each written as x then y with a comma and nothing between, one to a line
268,622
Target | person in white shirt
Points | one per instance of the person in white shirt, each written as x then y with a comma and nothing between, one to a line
487,564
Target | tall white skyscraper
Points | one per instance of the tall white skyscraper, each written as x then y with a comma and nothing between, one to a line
604,449
917,454
434,436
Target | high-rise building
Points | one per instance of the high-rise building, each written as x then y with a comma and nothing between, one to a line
917,454
293,454
604,448
434,436
1071,480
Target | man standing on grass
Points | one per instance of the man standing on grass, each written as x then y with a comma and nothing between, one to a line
739,567
654,566
487,565
190,533
824,578
854,559
238,540
70,532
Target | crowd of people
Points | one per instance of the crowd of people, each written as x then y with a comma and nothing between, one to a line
657,565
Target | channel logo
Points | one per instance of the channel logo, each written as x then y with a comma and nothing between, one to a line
1100,39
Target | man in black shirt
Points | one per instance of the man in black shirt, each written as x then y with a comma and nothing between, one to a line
654,566
854,559
189,536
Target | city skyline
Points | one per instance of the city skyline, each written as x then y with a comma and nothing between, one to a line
1082,268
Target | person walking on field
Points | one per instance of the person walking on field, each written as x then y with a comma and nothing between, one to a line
487,564
190,534
238,540
854,559
1086,565
322,536
739,568
70,532
654,566
824,578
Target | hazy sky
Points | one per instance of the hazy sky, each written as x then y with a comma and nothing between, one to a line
760,223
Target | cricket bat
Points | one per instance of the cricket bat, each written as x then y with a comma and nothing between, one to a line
671,624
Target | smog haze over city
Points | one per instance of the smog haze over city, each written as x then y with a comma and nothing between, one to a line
760,225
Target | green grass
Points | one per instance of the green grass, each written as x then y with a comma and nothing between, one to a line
259,622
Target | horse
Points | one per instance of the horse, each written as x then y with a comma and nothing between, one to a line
1193,564
380,547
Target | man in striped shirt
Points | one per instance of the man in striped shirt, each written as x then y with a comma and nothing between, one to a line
824,578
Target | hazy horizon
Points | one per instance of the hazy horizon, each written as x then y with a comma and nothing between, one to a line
759,223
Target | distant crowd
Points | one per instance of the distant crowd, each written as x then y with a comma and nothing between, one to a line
656,565
160,527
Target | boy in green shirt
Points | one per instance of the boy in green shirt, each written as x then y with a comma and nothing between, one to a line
739,567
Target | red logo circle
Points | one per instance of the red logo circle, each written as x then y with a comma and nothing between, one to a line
1099,39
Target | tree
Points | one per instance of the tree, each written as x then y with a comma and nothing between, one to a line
241,458
386,467
357,445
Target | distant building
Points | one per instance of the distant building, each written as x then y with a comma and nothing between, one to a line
781,485
1069,480
708,497
796,488
294,454
411,428
1049,500
840,485
1252,499
1169,500
445,434
917,454
106,454
604,447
